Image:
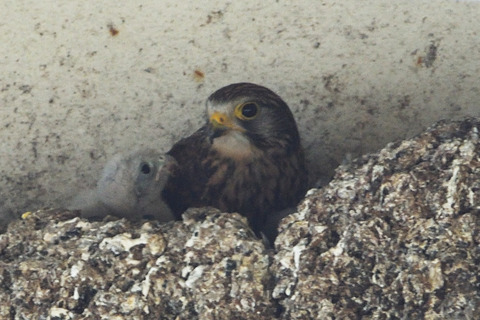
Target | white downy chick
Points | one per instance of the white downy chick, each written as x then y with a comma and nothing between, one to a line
130,187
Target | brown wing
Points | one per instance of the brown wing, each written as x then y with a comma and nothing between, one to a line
188,179
256,188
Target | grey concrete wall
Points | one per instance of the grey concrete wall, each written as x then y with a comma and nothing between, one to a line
82,80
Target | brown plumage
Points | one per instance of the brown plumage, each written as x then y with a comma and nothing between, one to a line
246,159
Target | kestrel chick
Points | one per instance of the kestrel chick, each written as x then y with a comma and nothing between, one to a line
247,158
130,187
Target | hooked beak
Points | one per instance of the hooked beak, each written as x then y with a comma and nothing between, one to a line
219,123
220,120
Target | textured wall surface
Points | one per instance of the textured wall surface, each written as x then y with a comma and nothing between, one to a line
82,80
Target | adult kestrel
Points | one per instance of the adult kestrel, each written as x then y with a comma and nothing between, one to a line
247,158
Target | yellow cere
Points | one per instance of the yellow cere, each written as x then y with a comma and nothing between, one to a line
220,119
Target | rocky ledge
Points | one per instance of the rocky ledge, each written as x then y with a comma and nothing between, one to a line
395,235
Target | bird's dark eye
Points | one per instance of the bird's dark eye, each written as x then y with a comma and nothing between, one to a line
145,168
246,111
249,110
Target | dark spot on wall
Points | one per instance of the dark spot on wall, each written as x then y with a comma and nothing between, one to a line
5,88
25,88
332,83
198,75
306,102
431,55
428,58
371,110
404,102
214,16
34,149
113,31
94,155
419,61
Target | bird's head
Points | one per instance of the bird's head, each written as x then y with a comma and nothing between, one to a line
244,117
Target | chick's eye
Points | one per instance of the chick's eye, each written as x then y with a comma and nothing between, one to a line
246,111
145,168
